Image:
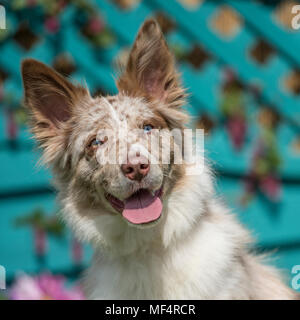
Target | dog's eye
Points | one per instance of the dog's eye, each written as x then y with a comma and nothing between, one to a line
95,143
148,128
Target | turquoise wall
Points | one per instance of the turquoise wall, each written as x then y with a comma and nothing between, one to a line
205,52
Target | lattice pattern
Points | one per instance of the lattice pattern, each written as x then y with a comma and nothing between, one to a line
239,59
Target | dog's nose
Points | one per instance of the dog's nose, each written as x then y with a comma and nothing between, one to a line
136,171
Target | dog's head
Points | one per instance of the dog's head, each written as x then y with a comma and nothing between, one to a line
101,149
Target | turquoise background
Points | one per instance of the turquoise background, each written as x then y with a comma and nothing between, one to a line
24,186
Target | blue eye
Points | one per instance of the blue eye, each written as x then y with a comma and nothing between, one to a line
96,142
148,128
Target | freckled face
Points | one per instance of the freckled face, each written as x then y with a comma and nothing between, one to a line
112,133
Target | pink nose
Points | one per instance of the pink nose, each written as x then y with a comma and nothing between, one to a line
135,171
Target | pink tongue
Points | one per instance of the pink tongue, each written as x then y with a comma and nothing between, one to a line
142,207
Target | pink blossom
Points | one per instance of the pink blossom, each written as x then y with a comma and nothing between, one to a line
43,287
237,128
271,187
12,128
52,24
95,25
31,3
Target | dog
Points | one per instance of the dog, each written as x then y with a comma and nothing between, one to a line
158,229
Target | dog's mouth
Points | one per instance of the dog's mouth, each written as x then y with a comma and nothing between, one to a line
142,207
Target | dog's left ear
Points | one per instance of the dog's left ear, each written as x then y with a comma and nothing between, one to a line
51,100
150,70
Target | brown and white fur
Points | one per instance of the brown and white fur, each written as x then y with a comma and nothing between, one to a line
197,249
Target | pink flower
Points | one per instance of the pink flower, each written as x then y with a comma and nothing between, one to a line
26,288
52,24
270,185
31,3
12,127
43,287
237,127
1,92
95,25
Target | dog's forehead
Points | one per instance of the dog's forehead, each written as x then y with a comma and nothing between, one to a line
120,108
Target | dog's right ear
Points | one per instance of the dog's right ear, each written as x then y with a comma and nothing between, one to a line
150,71
51,100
